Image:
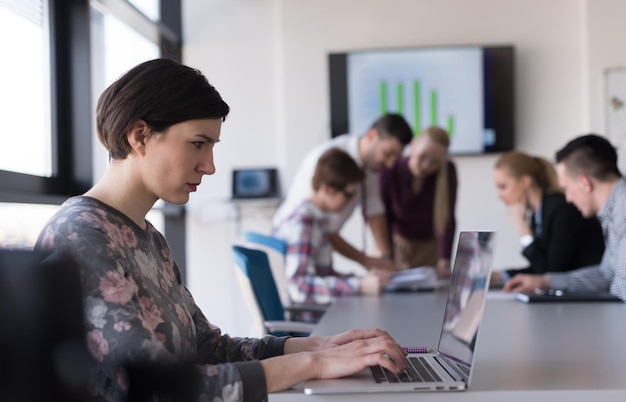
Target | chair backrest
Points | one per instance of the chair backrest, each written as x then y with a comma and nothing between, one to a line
266,240
255,326
275,249
256,267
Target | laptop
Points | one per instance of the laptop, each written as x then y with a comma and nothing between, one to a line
449,367
563,296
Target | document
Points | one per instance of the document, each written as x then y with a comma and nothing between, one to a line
419,278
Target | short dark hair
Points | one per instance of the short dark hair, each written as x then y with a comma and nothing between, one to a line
161,92
592,155
336,169
393,125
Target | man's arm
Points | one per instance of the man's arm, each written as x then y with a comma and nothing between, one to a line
347,250
380,231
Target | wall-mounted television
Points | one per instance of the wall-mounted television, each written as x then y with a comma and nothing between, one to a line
467,90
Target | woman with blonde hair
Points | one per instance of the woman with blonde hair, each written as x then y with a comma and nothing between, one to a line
553,234
419,193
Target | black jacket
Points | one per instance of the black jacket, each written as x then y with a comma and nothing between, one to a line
568,240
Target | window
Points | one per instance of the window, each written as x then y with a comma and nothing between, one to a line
25,143
149,8
49,95
115,48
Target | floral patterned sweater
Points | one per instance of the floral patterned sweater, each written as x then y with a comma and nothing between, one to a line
138,311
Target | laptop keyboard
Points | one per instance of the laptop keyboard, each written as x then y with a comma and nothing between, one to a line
464,369
418,371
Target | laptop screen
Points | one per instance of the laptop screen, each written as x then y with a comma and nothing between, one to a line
466,299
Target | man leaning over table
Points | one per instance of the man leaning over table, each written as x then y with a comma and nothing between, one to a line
588,172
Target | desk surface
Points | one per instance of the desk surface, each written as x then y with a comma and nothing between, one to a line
543,352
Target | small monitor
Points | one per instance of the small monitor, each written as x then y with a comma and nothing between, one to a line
255,183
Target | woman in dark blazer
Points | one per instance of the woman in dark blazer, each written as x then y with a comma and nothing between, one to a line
554,236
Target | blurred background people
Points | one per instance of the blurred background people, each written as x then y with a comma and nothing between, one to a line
309,260
553,234
419,194
588,172
379,147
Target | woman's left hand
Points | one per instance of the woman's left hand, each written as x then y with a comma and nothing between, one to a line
349,336
517,216
443,269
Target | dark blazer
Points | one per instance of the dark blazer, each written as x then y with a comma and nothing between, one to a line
568,240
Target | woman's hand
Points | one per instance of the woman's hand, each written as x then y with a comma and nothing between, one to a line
443,269
354,356
517,215
332,357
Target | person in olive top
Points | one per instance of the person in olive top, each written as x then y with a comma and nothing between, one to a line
554,236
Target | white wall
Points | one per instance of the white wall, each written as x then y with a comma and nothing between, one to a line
606,49
268,59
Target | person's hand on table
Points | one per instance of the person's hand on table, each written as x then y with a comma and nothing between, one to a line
443,269
374,282
526,283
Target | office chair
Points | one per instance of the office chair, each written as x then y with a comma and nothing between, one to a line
258,283
276,249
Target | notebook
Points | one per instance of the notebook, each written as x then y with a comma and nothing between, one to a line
561,296
449,367
416,279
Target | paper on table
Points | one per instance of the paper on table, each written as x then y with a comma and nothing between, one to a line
424,277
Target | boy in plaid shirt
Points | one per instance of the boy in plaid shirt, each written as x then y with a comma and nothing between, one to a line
309,264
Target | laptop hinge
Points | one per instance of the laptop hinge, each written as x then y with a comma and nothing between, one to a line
451,367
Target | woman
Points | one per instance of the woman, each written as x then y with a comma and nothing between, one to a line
554,235
419,193
160,122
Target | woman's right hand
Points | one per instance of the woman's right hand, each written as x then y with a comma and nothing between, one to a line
332,357
517,215
356,355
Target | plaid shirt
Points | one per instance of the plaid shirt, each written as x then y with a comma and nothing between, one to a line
308,262
611,275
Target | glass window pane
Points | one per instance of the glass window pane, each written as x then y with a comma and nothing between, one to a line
150,8
116,49
21,223
25,139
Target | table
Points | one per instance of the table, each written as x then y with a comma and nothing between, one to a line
540,352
